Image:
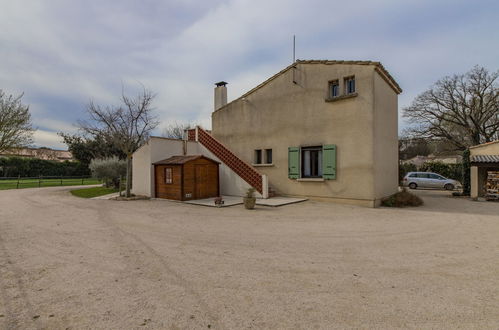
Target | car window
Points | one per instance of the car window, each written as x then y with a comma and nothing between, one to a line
423,175
413,175
434,176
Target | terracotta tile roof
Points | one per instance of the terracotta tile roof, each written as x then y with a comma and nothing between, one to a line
179,160
378,67
485,159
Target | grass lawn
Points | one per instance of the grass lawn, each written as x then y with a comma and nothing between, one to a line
35,183
93,192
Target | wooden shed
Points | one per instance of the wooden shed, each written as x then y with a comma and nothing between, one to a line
186,177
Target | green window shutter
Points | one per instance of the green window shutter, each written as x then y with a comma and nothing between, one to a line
329,161
293,162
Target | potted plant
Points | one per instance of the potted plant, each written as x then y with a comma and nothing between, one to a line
219,201
250,199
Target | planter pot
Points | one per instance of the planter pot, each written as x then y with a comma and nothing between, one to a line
249,202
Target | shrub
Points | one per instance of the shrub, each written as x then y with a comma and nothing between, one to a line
451,171
401,199
33,167
406,168
466,182
250,193
110,170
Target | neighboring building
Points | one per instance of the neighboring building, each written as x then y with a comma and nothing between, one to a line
484,174
418,161
321,129
39,153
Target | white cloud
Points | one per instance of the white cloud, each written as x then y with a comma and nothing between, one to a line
48,139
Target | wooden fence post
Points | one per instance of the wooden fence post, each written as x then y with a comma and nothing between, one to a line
61,180
18,178
39,181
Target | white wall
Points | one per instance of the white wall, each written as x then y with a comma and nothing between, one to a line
156,149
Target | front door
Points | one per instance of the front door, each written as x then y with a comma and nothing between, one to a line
202,181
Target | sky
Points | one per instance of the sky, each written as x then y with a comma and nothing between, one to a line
62,54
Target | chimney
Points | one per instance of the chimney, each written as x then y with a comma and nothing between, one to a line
220,95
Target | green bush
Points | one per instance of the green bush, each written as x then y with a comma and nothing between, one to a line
110,170
466,182
451,171
406,168
33,167
401,199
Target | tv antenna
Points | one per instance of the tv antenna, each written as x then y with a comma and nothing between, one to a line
294,48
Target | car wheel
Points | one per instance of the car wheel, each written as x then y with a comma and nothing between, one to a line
412,185
449,186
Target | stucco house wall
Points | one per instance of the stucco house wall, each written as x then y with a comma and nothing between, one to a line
491,148
285,114
385,139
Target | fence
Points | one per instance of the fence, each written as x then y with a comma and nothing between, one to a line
45,181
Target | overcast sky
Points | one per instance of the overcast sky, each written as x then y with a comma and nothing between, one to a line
63,53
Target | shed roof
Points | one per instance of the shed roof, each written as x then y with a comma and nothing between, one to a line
485,159
179,160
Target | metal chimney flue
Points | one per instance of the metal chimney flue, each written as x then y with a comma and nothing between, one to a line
220,94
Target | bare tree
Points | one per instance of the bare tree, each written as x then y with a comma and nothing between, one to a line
176,130
15,123
127,126
462,109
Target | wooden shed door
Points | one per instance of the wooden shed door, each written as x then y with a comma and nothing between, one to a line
201,181
206,181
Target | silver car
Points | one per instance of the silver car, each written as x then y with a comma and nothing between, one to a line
415,180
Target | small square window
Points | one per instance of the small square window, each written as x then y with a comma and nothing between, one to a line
168,175
268,156
334,88
258,156
349,85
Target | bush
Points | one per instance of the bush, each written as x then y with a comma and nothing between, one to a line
110,170
33,167
406,168
466,166
451,171
401,199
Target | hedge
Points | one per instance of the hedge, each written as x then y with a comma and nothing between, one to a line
451,171
32,167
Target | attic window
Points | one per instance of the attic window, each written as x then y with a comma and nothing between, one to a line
334,88
349,85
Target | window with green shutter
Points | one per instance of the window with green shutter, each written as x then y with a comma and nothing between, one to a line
294,162
329,161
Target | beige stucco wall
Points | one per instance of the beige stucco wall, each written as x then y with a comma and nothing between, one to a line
283,114
385,139
485,149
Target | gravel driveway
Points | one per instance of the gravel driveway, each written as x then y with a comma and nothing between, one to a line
71,263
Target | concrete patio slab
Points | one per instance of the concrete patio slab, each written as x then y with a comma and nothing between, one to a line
236,200
279,201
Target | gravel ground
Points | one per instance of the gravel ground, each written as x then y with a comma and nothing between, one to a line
71,263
